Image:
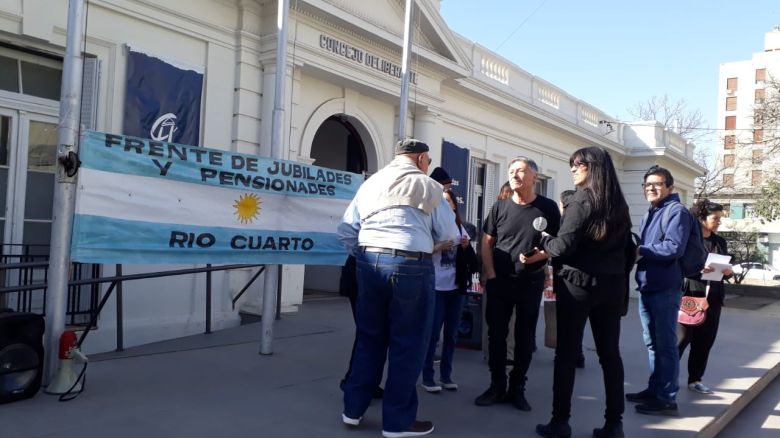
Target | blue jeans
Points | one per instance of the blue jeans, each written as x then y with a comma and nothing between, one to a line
449,305
394,317
658,313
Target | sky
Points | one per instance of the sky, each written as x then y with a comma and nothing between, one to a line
614,54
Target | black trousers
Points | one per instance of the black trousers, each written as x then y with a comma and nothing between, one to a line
505,294
602,305
700,338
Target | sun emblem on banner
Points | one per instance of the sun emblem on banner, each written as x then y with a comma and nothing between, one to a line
247,207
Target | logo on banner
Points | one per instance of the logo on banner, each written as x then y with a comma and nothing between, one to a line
164,127
247,208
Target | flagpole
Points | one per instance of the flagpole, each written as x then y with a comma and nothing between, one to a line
65,188
405,74
272,272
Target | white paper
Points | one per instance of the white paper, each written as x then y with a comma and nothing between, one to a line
719,262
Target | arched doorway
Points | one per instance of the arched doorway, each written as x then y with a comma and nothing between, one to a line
337,144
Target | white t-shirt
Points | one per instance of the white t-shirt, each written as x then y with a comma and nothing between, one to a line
444,264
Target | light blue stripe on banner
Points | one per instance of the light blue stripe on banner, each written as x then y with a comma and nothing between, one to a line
98,239
214,167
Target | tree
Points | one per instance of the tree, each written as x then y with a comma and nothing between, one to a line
768,202
711,182
767,116
678,117
743,247
672,115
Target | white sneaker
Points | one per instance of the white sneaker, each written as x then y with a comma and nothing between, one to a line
432,387
418,428
699,387
354,422
449,386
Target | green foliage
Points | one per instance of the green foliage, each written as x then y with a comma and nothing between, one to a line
768,203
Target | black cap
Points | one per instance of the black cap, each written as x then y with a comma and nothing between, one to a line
441,176
410,146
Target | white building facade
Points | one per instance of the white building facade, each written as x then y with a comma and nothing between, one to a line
746,142
342,86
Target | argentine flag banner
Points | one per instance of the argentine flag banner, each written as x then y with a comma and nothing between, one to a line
146,201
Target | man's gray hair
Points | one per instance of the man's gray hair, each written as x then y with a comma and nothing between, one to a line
528,162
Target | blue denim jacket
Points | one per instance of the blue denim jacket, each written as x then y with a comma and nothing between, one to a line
658,269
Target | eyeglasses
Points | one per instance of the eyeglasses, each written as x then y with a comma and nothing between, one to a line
655,185
578,163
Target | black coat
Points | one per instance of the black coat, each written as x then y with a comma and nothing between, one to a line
466,264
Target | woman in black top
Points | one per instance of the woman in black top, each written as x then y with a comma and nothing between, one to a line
590,253
702,337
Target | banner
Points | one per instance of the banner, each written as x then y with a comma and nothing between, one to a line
145,201
162,101
455,160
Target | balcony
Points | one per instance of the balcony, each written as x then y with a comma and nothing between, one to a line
509,79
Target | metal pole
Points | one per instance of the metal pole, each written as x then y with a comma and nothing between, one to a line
208,300
120,313
277,152
405,74
65,188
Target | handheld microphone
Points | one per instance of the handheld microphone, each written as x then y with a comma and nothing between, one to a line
540,224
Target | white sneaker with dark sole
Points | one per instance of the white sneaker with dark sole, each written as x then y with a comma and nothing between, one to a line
449,386
352,422
700,388
418,428
433,388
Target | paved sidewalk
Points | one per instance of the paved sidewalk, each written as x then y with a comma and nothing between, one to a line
218,385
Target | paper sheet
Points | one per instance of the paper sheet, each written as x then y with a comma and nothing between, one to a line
719,262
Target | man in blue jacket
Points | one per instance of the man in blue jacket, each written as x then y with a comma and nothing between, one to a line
659,277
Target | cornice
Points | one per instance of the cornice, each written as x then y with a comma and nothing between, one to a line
515,104
223,36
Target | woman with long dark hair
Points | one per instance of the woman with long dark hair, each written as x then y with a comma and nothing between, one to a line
590,253
702,337
453,263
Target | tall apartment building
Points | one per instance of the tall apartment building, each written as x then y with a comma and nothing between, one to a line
745,158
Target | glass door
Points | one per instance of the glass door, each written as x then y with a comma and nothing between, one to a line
8,132
28,154
28,151
39,150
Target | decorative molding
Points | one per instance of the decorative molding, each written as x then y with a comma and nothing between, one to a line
495,70
347,6
332,25
228,33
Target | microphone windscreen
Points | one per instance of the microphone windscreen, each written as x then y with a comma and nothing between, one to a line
540,223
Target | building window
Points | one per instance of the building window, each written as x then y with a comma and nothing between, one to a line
728,180
731,122
482,190
756,177
760,95
731,85
728,160
737,210
726,210
760,75
758,117
750,210
729,141
758,135
758,156
29,74
731,103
